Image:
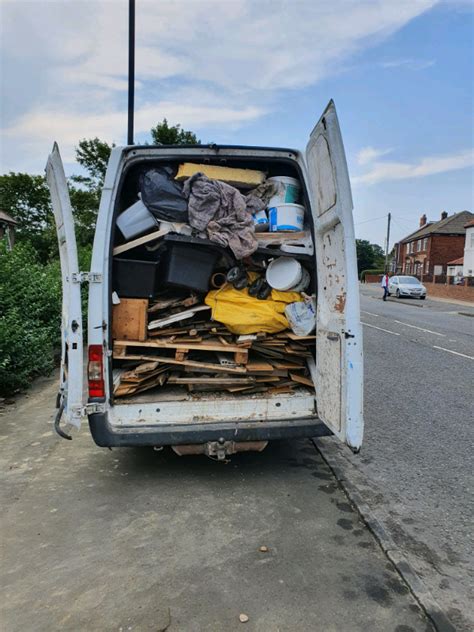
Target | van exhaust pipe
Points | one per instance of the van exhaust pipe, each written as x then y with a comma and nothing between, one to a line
220,449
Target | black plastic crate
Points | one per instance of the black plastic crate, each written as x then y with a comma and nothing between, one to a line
188,266
135,279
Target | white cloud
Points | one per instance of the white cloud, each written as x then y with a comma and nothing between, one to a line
66,63
411,64
369,154
386,170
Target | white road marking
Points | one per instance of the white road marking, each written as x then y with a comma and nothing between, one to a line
455,352
380,329
369,313
420,328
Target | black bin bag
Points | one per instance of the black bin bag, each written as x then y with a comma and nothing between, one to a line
162,195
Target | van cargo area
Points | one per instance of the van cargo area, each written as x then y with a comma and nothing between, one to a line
213,293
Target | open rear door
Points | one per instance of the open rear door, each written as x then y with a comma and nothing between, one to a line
71,377
339,365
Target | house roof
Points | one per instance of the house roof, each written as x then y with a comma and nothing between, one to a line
7,219
469,224
452,225
456,262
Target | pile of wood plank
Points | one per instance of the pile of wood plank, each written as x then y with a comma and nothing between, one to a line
202,355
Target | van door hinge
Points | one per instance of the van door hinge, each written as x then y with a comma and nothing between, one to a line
86,277
91,409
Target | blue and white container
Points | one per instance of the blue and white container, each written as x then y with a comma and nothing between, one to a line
260,220
286,217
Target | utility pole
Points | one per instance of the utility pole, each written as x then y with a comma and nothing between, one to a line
131,69
389,218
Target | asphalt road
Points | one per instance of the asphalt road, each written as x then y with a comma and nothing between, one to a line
416,465
100,540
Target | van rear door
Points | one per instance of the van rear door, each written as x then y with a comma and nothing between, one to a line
71,376
339,364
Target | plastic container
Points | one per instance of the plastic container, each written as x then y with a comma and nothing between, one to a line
286,217
261,221
136,220
287,274
288,190
135,279
189,267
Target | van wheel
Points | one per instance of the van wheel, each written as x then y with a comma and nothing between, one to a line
422,298
398,293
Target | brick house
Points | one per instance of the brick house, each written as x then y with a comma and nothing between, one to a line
428,250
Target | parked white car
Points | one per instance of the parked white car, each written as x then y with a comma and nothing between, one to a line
406,286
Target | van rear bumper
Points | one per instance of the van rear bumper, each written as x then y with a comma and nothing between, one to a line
105,435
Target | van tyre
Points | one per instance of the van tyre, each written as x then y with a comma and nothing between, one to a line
422,298
398,293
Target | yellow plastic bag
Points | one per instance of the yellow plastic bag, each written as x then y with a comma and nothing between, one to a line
244,314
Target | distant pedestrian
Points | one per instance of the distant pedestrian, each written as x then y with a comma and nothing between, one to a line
384,284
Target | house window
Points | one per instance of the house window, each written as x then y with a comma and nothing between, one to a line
425,243
427,266
472,239
418,245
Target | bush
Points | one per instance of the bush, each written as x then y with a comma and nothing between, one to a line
364,272
30,316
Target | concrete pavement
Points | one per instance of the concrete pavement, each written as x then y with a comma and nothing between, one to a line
415,470
143,540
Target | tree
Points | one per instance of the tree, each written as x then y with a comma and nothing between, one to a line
369,256
164,134
26,198
93,154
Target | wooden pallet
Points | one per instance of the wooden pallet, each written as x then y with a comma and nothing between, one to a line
240,353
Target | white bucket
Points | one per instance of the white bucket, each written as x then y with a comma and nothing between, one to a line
288,190
287,274
286,217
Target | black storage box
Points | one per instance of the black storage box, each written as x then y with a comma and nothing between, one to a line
188,266
135,279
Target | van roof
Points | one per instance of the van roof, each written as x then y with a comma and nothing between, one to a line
212,146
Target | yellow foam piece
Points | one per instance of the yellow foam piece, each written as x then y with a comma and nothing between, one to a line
235,177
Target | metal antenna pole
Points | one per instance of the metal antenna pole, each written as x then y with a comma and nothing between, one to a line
389,218
131,69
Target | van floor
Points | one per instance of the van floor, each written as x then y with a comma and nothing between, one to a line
179,394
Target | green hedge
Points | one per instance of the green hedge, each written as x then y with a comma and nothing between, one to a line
30,315
364,272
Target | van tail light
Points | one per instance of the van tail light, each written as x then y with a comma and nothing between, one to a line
95,371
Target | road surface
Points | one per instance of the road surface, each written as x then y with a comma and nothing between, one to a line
134,539
416,464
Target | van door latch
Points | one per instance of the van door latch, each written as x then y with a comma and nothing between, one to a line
348,335
93,408
86,277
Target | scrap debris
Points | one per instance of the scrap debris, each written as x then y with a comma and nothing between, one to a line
208,305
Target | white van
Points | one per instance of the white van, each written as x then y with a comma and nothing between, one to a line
224,422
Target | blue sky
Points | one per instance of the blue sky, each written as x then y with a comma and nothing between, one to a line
258,72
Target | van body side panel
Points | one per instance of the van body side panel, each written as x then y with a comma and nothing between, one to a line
99,295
